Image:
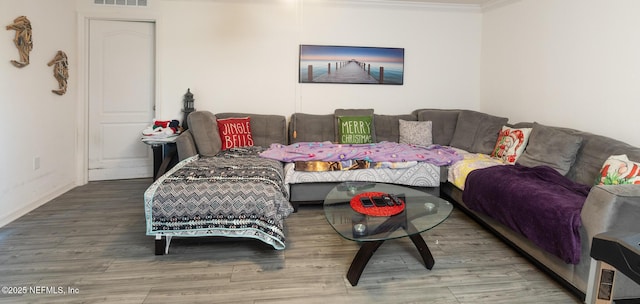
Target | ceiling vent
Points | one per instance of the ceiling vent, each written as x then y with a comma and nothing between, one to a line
121,2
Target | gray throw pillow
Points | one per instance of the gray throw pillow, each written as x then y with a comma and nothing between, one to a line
551,147
477,132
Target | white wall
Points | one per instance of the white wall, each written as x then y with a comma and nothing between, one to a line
37,122
572,63
235,56
243,55
442,47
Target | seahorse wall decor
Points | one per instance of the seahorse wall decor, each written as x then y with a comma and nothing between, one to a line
60,71
23,42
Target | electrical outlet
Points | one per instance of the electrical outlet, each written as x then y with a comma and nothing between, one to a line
36,163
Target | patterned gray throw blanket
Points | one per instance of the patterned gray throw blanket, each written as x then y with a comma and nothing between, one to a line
234,194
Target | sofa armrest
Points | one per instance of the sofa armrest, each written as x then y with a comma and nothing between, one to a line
611,208
186,145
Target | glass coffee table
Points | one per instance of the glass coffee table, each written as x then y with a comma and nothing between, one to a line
421,212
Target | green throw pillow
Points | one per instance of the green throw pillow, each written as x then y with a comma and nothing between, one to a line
354,129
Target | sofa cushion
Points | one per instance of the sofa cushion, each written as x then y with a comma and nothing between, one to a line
387,126
265,129
352,112
593,152
511,143
415,132
355,129
235,132
443,123
203,127
311,128
477,132
551,147
617,170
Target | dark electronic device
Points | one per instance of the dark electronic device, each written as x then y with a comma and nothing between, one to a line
614,251
379,201
395,199
388,200
619,250
366,202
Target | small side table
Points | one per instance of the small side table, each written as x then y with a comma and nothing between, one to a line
165,153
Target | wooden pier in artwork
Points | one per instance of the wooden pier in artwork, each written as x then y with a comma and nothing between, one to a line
351,71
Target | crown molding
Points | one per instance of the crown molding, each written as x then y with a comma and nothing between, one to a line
401,4
495,4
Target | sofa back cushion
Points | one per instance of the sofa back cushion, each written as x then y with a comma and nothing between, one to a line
593,152
551,147
265,129
319,127
387,126
204,129
477,132
311,127
443,123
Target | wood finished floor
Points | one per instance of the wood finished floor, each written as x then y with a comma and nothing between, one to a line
92,239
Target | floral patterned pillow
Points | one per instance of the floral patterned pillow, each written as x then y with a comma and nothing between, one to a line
617,170
415,132
511,143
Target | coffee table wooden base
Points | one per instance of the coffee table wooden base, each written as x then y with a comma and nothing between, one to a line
368,248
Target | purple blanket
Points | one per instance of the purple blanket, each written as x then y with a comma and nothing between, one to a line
538,202
376,152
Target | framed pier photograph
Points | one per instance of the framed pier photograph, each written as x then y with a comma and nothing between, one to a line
350,64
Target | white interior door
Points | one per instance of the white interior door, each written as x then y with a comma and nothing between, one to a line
121,98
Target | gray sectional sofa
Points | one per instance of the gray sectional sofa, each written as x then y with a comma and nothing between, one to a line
323,127
607,208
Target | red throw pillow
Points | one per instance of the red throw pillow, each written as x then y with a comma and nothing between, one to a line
235,132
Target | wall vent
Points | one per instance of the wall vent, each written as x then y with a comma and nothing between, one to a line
121,2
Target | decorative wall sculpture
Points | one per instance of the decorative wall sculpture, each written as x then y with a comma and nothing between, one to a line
23,42
60,71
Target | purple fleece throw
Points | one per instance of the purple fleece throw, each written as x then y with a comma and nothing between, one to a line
537,202
377,152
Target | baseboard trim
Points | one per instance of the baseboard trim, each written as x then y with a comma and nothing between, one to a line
35,204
